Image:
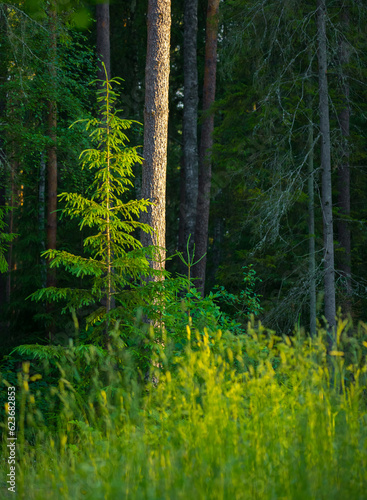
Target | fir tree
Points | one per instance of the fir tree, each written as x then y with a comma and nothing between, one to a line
116,257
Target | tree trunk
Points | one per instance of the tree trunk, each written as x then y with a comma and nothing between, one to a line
344,235
41,215
311,230
190,118
182,240
206,144
103,40
3,176
104,57
52,155
156,124
327,203
14,166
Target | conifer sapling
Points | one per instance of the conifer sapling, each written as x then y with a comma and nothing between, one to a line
116,255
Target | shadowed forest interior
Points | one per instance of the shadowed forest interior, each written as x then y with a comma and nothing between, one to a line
183,277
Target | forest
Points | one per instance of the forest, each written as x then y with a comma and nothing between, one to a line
183,281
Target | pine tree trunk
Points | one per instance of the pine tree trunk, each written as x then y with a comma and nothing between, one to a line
344,234
103,39
206,144
156,124
190,118
327,203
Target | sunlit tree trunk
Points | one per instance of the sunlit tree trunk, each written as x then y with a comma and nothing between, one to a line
327,203
156,124
206,144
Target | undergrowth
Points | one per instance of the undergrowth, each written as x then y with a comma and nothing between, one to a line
257,416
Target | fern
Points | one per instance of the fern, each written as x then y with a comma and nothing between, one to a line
55,353
40,352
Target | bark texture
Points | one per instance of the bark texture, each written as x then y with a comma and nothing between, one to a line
344,234
311,230
206,144
329,272
51,152
103,39
156,124
190,119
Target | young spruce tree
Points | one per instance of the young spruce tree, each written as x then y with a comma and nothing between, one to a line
116,256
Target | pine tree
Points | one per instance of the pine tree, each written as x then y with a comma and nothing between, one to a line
156,124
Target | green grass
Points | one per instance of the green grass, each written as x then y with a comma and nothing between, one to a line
261,417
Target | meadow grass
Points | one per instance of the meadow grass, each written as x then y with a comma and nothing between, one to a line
260,417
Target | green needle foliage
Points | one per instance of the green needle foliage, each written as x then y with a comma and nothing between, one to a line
115,256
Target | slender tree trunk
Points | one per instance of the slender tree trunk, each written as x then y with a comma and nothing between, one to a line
41,215
182,240
327,203
344,234
190,118
104,57
51,152
3,176
14,166
206,144
156,124
109,304
103,39
217,247
52,158
311,230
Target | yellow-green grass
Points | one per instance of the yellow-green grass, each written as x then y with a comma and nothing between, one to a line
261,418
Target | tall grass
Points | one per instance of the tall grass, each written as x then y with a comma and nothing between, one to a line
263,417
